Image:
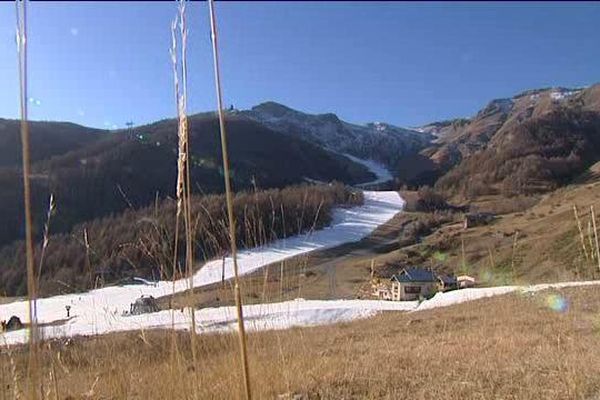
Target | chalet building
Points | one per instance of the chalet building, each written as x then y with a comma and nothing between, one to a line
413,284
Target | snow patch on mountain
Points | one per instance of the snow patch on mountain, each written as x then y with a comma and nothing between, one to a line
381,172
561,94
377,141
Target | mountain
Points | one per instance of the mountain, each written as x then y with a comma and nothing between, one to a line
47,139
121,170
532,142
378,141
459,138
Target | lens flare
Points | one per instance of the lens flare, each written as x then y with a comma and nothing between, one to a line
557,303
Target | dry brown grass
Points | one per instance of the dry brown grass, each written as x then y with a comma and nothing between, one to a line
510,347
548,244
340,272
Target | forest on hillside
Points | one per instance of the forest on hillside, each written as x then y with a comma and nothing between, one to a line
536,156
140,242
111,172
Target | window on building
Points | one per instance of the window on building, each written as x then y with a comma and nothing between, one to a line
412,289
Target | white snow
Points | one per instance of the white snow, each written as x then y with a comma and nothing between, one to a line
380,171
562,94
99,311
379,126
282,315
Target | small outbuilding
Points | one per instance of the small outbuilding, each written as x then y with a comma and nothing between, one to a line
478,219
413,284
13,324
465,281
144,305
447,282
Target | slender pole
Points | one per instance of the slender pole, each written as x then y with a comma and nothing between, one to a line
514,251
228,195
595,235
372,268
31,286
581,236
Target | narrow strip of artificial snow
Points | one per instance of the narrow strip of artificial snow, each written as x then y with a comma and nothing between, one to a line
379,170
268,316
99,311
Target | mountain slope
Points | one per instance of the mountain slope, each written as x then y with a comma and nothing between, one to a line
532,142
378,141
460,138
47,139
121,170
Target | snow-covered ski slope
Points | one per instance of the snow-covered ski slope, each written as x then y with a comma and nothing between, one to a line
283,315
379,170
99,311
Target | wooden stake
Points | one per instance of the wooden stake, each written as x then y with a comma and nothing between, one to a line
596,236
223,273
581,236
372,268
264,292
281,282
591,240
462,247
514,250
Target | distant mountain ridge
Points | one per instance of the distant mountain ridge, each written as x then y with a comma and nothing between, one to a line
461,137
47,139
534,141
378,141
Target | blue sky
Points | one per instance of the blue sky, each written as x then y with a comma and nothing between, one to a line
102,64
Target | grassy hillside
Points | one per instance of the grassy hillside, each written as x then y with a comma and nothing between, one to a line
509,347
533,239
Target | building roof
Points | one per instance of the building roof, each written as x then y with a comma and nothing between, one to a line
447,279
414,275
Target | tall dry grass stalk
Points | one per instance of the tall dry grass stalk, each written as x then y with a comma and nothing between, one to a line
179,190
46,239
183,190
232,226
51,208
33,367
